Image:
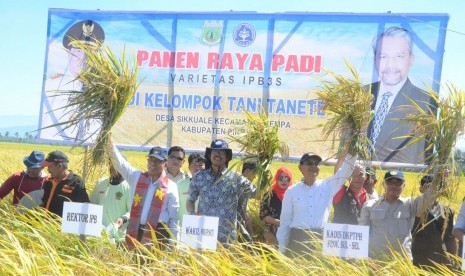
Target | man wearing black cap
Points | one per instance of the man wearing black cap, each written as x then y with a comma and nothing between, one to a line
219,190
306,204
29,180
63,184
390,217
154,198
434,234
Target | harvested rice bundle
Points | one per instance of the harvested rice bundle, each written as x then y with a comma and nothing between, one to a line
108,85
441,131
348,106
259,141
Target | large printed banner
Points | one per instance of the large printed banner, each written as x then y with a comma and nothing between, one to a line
199,71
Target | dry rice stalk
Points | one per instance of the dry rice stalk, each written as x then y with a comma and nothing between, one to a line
259,141
348,106
108,84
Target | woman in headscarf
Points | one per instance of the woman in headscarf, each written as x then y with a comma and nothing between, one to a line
270,207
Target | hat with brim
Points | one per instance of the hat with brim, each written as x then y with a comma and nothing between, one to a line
310,155
219,144
158,153
55,157
394,174
34,160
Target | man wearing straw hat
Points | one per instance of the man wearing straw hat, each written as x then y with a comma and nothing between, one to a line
155,199
26,181
218,190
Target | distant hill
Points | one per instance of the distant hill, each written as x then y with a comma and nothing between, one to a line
18,123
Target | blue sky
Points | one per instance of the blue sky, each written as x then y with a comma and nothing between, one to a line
24,25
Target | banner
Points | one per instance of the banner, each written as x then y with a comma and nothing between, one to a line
199,71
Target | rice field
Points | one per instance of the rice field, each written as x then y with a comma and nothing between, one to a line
31,243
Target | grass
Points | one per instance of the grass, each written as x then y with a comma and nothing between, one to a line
31,243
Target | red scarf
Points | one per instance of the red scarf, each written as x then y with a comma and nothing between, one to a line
136,209
283,171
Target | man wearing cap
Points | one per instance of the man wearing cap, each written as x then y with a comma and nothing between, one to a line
370,182
431,236
306,204
218,190
196,163
349,200
26,181
113,194
154,198
390,217
174,164
63,184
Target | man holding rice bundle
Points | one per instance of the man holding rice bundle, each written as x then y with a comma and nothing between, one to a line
219,190
306,205
155,199
391,217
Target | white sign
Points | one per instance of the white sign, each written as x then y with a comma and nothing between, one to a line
200,231
82,218
345,240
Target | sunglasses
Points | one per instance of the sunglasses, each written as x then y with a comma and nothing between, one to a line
175,158
284,178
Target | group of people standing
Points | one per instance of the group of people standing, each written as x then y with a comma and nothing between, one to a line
137,202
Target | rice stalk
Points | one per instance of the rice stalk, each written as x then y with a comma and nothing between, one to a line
348,106
440,131
108,85
259,142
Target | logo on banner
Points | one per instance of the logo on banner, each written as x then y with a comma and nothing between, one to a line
244,35
211,32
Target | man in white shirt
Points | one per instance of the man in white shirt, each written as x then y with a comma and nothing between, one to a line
155,199
306,204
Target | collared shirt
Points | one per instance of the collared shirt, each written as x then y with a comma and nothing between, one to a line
390,224
307,207
218,197
382,90
115,200
183,189
176,178
169,212
70,189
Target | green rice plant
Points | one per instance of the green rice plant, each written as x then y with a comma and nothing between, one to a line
348,105
108,85
259,142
